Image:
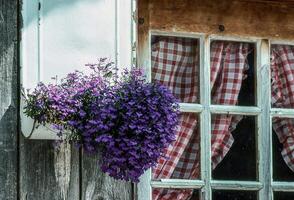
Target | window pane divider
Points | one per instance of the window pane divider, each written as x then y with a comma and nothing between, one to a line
237,110
264,122
236,185
205,118
214,37
189,107
283,186
177,183
282,112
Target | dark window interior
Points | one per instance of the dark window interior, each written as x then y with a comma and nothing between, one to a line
281,172
247,93
234,195
283,196
240,161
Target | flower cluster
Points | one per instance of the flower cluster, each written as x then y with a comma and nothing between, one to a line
129,121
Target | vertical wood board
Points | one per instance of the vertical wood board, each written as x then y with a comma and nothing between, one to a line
47,173
8,100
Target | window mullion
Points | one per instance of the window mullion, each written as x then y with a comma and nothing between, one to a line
205,118
282,112
191,108
283,186
144,189
236,185
264,130
235,110
177,183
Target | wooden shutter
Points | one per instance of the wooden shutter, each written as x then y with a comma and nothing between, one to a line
59,37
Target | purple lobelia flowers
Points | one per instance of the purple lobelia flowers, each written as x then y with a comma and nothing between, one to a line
125,118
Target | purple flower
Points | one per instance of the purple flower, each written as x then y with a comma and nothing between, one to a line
129,121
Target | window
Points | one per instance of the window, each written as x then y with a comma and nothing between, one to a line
234,107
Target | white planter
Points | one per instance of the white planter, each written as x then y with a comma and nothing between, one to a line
29,130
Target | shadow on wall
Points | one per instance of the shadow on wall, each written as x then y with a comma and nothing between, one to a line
71,34
55,4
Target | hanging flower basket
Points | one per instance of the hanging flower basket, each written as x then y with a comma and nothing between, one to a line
131,122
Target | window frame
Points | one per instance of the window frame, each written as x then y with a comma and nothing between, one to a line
264,184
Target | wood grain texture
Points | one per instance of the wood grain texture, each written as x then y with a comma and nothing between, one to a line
99,186
47,173
8,99
143,29
265,19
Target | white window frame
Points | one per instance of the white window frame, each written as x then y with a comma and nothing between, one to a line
264,184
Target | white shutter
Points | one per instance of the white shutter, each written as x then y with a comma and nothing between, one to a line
60,36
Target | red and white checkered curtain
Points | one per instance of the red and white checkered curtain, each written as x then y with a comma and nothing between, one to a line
282,74
175,63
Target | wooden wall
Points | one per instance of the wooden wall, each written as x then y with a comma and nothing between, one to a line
32,169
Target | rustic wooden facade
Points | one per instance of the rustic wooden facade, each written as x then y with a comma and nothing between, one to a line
32,169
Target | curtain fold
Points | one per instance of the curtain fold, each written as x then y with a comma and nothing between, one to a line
282,75
228,63
175,63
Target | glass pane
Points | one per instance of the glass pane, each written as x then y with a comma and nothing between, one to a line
283,149
283,196
173,194
282,76
234,195
175,63
234,147
182,159
232,73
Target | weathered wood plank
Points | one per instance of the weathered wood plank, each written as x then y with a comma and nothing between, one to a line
261,18
8,99
47,173
99,186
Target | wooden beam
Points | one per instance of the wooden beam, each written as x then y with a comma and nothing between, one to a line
8,100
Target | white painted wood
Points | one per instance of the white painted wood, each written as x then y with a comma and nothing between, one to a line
264,126
144,187
236,185
237,110
214,37
176,34
189,107
124,33
205,126
282,42
282,112
177,183
283,186
73,33
29,44
134,34
65,35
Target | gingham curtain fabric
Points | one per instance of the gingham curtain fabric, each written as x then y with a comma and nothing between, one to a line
175,63
282,75
228,66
